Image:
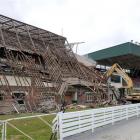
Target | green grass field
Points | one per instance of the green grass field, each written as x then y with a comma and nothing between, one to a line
34,127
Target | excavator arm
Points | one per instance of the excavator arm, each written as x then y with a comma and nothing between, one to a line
121,72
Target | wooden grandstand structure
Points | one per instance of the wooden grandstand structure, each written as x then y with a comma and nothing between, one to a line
37,63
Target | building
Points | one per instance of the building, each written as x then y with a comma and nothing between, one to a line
127,55
38,70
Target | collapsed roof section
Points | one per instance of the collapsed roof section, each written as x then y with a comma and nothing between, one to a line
40,63
26,37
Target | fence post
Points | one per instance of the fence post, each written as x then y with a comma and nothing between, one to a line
104,115
127,112
5,130
137,108
79,121
112,116
60,126
2,131
93,119
57,127
4,127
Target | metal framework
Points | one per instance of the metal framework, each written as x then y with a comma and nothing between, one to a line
36,64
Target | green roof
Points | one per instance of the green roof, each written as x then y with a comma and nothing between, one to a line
124,54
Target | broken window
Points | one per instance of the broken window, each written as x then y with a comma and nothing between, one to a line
19,97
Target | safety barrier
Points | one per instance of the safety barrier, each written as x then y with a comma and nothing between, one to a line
67,124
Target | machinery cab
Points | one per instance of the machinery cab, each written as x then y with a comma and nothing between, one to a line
115,80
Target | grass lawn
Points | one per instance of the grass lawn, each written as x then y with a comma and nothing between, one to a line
34,127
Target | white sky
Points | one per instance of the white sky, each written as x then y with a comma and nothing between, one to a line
99,23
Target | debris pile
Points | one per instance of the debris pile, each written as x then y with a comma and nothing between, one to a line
76,107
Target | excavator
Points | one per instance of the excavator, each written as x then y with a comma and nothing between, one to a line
126,85
117,69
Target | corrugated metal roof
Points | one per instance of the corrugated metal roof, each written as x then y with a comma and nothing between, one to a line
126,54
118,50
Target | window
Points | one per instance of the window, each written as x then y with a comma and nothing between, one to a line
89,97
1,96
111,96
19,97
116,79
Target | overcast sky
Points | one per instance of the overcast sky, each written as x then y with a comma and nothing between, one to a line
99,23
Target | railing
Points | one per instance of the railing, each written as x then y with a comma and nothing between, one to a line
71,123
6,123
55,128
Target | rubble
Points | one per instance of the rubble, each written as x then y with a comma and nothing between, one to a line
76,107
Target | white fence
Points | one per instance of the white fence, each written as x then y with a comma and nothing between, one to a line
67,124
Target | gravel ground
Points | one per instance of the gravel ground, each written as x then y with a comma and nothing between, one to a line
124,130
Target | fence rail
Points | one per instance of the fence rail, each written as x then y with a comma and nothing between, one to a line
71,123
4,124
